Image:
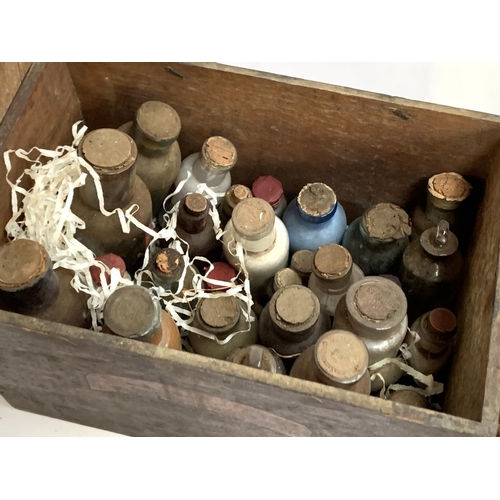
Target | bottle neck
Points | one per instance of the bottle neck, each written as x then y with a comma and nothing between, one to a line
297,335
317,219
436,210
150,148
192,224
334,287
202,174
256,246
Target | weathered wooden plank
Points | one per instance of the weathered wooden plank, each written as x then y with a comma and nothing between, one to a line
11,76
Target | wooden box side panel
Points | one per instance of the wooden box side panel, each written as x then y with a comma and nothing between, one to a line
11,77
41,115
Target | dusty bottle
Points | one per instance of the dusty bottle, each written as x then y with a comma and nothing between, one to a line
220,272
233,196
132,313
338,359
257,356
314,218
292,321
446,194
409,397
155,129
222,316
431,270
437,330
112,261
333,274
212,166
112,154
29,285
283,277
390,372
301,263
378,239
270,189
374,309
263,238
167,267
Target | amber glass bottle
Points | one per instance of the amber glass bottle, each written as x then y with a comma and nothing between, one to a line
257,356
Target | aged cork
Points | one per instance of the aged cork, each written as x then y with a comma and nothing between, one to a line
21,262
449,186
168,261
158,121
388,222
316,199
332,261
377,302
219,152
222,312
295,305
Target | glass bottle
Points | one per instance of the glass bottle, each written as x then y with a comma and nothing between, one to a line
446,194
314,218
338,359
212,166
233,196
378,239
437,330
131,312
409,397
263,237
220,272
270,189
222,316
333,274
374,309
292,321
283,277
390,372
112,261
257,356
155,129
112,154
301,263
29,285
431,270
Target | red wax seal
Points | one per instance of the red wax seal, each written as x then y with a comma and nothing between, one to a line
113,262
268,188
221,272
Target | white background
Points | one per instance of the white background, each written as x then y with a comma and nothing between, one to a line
474,86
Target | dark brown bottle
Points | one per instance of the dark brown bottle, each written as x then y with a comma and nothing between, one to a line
112,154
409,397
29,285
257,356
338,359
292,321
132,313
235,194
431,270
155,130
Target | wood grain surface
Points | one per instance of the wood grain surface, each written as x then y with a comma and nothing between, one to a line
11,76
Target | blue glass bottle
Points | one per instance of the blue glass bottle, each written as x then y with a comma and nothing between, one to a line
314,218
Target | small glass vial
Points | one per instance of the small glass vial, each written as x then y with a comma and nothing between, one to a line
292,321
155,130
29,285
270,189
409,397
301,263
112,154
220,272
233,196
222,316
263,237
437,330
431,270
283,277
132,313
212,166
338,359
257,356
446,194
333,274
374,309
314,218
112,261
378,239
167,266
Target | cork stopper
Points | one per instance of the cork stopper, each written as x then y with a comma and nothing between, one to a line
409,397
302,262
132,312
268,188
387,222
341,356
439,241
448,190
220,272
237,193
253,218
169,263
331,262
195,204
219,154
442,324
158,121
317,199
285,277
110,260
108,150
220,313
22,262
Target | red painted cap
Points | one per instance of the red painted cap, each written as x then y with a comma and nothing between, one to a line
268,188
112,261
222,272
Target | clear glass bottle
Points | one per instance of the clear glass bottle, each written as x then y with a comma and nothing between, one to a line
338,359
112,154
301,263
333,274
131,312
446,194
155,129
409,397
235,194
222,316
378,239
374,309
257,356
212,166
270,189
431,270
314,218
263,237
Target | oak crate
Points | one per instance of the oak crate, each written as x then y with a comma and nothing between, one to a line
368,147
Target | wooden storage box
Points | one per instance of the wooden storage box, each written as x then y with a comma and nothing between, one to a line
368,147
